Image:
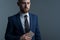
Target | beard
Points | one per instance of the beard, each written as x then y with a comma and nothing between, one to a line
25,10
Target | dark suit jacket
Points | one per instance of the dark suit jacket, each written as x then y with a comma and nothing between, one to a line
15,30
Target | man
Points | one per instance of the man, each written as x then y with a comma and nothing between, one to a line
18,28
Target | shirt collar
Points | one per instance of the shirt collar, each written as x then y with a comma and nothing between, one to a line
23,14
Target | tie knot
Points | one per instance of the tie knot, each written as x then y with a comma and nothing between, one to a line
25,16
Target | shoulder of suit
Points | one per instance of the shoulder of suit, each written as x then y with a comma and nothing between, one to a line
13,16
34,15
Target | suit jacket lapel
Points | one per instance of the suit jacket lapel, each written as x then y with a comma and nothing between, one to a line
19,23
31,21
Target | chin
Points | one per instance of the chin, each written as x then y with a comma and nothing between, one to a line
25,11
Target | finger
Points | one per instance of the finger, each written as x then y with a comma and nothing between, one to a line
26,37
29,39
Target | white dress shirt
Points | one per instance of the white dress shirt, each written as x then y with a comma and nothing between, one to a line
23,20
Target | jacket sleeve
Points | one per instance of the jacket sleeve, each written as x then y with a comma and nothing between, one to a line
9,31
37,31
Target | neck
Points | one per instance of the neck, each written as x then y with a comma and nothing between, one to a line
23,12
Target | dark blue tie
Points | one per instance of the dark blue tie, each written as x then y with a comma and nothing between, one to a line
27,28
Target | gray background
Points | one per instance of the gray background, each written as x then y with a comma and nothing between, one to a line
48,12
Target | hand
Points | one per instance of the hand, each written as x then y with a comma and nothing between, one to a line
25,37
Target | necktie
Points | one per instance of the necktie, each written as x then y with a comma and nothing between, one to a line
27,29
